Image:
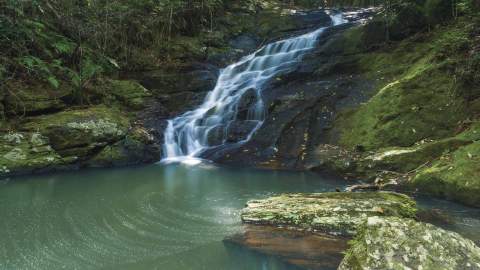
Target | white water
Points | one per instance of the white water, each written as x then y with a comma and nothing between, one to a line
186,136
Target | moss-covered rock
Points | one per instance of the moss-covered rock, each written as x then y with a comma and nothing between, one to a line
454,176
333,159
79,128
129,93
29,99
396,243
417,97
335,213
137,147
406,159
407,111
22,152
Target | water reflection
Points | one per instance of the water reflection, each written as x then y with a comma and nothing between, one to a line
154,217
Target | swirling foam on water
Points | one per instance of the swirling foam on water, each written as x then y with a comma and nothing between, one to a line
186,136
156,217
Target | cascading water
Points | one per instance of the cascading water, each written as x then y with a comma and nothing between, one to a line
187,136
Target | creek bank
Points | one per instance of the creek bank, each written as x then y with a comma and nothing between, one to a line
376,221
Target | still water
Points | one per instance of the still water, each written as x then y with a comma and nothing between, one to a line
171,217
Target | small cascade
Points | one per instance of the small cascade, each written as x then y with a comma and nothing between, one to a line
234,110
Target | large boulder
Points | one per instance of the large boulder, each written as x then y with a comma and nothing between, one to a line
127,93
34,99
396,243
80,128
137,147
334,213
95,136
26,152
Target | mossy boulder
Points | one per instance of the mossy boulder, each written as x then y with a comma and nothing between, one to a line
24,100
333,159
396,243
407,159
416,97
22,152
79,128
137,147
334,213
129,93
455,176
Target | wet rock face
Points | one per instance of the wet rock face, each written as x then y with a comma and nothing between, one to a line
302,105
334,213
395,243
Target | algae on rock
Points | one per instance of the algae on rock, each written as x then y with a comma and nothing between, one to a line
22,152
335,213
391,243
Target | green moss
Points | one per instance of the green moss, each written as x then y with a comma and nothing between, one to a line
406,111
407,159
416,99
128,93
22,152
135,148
80,127
25,99
455,176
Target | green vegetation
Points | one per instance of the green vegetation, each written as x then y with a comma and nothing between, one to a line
74,42
421,95
455,175
421,122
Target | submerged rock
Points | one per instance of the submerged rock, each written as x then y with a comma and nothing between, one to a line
303,249
396,243
334,213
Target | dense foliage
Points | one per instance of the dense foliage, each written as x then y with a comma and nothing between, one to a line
75,41
55,40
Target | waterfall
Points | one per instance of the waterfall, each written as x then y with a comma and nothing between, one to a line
189,135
